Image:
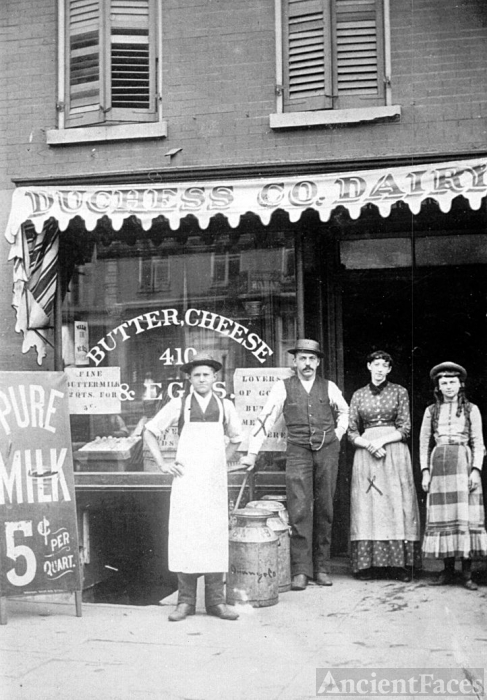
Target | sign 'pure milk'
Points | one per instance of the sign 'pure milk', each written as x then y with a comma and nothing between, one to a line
38,529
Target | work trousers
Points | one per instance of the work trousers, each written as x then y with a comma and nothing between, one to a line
214,589
310,484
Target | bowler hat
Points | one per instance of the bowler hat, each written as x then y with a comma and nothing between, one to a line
448,369
201,358
306,345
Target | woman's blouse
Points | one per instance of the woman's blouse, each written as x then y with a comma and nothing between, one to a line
371,408
452,430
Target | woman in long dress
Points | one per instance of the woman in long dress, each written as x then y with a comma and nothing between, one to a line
384,506
451,455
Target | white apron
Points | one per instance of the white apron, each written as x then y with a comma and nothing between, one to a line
198,517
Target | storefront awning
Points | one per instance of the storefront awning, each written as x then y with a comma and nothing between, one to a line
34,240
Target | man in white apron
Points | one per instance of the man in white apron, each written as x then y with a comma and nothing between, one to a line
198,517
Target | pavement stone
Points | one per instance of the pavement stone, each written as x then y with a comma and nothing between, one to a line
118,652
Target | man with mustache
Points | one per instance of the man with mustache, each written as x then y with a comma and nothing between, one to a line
316,417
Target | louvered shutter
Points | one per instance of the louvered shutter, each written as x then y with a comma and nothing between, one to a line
131,78
358,53
307,55
84,61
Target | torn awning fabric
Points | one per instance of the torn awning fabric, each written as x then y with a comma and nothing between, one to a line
34,208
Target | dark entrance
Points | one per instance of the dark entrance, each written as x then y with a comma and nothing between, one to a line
421,318
422,297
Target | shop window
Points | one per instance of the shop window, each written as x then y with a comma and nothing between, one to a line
376,253
333,57
464,249
427,251
109,58
140,305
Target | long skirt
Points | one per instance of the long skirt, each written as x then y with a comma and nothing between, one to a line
455,518
384,528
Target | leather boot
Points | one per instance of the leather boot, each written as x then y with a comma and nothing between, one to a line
187,588
448,573
215,597
401,574
299,582
222,611
181,612
214,590
467,575
364,574
186,597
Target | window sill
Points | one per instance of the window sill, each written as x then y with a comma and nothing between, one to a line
97,134
296,120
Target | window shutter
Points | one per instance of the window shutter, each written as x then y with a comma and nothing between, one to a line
307,55
132,59
359,53
83,58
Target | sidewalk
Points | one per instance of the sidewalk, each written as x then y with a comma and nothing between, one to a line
116,652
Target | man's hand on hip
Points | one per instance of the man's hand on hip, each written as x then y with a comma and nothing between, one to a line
248,461
175,468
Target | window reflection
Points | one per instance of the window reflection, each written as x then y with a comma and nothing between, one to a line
148,305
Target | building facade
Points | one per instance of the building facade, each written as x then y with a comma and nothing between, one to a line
224,176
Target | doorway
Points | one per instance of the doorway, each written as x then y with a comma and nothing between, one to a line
429,311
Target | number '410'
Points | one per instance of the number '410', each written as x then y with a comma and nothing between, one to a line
179,357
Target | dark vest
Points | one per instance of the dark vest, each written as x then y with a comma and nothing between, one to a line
196,414
309,418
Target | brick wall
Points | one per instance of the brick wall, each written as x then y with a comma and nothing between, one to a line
219,90
219,78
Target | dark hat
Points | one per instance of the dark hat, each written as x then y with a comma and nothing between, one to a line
448,369
305,345
201,358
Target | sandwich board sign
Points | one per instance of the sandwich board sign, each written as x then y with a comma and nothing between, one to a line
38,527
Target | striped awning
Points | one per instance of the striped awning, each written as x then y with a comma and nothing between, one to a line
34,238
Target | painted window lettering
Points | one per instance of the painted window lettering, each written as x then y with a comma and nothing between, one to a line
194,318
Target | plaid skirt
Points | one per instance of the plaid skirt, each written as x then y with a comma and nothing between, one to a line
455,518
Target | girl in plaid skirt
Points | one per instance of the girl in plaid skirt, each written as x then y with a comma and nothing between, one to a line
451,455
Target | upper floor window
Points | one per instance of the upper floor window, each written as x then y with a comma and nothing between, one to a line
333,58
225,268
333,54
154,275
110,77
110,61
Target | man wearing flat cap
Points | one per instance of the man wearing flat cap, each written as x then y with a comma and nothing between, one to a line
198,516
316,417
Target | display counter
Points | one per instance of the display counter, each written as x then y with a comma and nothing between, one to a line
259,484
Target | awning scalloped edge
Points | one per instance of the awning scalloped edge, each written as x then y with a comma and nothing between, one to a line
384,187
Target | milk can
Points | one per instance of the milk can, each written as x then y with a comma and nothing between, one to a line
276,523
253,570
282,500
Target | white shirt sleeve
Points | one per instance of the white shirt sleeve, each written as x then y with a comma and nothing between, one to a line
341,407
476,438
167,416
233,424
424,440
